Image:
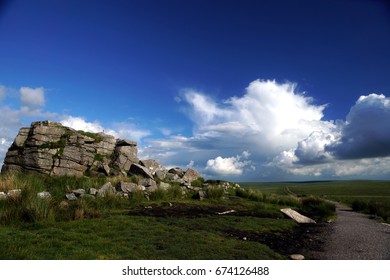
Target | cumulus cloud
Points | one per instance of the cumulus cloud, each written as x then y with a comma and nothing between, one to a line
268,118
32,98
230,166
360,145
285,133
121,130
125,130
11,118
269,115
366,132
79,123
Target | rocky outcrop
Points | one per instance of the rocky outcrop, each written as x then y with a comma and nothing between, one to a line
51,148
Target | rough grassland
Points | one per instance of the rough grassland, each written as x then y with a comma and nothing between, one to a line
371,197
167,226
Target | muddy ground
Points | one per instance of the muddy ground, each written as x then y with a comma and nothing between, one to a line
306,239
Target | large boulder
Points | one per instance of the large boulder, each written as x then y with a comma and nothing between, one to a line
191,175
153,166
51,148
106,189
177,171
136,169
129,187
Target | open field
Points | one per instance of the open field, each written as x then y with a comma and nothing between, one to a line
166,225
371,197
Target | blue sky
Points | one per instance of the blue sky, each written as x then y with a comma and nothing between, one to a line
242,90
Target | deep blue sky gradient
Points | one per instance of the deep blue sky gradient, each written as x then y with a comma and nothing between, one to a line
119,60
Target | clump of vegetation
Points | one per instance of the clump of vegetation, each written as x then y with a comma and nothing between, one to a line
198,182
378,209
317,208
251,194
97,137
214,192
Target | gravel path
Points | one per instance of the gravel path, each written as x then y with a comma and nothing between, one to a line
354,236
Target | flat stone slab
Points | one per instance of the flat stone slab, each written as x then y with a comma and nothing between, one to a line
299,218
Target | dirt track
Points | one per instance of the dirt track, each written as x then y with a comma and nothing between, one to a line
354,236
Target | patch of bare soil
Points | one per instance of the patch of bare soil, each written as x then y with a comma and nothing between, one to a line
178,210
304,239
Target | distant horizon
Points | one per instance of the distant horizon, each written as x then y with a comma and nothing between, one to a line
240,90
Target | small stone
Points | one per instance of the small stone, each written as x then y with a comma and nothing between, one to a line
44,195
202,195
164,186
64,205
107,188
129,187
92,191
297,257
3,196
78,192
14,193
71,196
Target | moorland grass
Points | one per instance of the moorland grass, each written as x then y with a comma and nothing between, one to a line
114,227
371,197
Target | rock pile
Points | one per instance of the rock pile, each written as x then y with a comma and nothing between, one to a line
50,148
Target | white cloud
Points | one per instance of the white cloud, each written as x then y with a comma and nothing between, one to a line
2,92
79,123
284,132
32,98
269,118
359,146
121,130
129,131
366,132
230,166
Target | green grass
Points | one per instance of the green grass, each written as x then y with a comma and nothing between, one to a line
122,236
371,197
164,226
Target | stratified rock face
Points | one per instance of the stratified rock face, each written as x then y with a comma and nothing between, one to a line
51,148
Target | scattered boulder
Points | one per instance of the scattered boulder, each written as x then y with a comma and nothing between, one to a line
172,177
177,170
92,191
161,174
140,170
14,193
44,195
3,196
78,192
64,205
129,187
191,175
106,189
202,195
70,196
149,184
153,167
163,186
299,218
297,257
